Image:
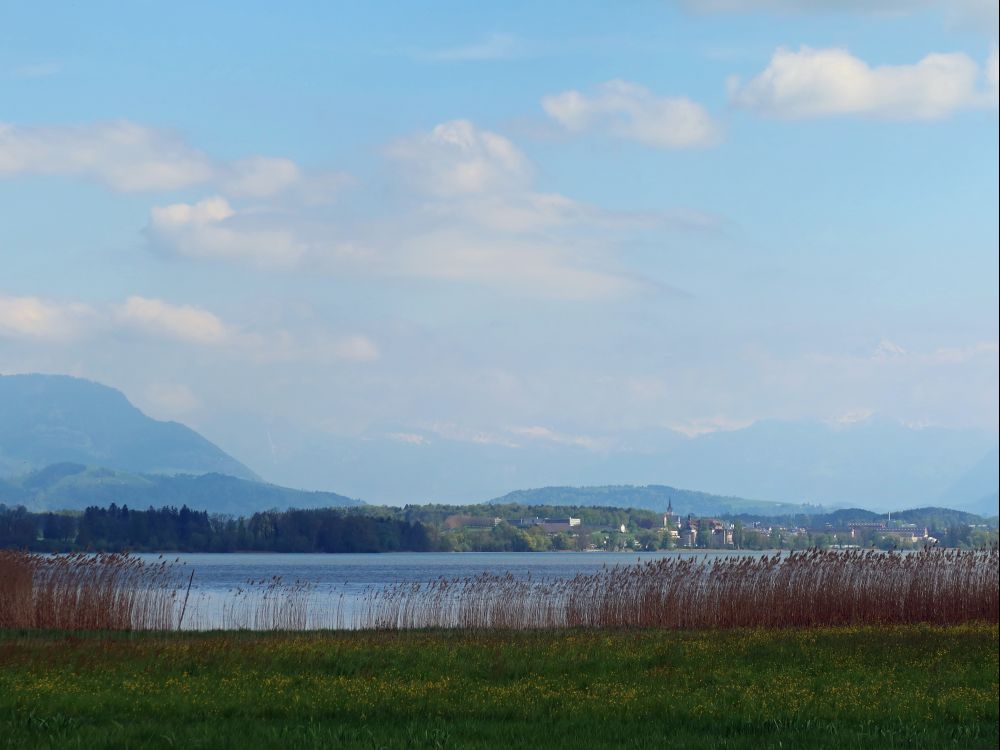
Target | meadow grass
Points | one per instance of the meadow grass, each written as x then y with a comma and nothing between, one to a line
843,687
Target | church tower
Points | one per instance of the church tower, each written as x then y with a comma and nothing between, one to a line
668,516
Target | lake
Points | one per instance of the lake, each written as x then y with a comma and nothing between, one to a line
225,587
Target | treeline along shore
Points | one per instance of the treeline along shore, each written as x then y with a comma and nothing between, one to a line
475,528
115,528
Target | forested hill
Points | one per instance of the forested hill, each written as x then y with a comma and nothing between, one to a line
651,497
68,486
931,517
47,419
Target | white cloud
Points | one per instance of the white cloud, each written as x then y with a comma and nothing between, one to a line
824,82
983,351
356,349
480,221
521,212
156,320
472,218
457,158
407,437
628,110
169,400
706,425
462,434
122,154
535,266
181,322
887,349
35,318
130,157
851,416
211,230
261,176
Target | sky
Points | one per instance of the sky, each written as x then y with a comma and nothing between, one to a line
517,224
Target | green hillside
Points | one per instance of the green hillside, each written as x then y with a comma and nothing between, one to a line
651,497
74,487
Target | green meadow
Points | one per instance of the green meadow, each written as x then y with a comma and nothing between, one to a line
907,686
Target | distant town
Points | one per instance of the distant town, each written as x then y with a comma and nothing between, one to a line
479,528
675,531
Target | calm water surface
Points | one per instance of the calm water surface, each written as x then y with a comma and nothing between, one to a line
344,578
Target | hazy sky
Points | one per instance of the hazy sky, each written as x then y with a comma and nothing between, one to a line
520,223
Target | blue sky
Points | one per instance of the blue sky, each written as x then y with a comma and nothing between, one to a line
529,223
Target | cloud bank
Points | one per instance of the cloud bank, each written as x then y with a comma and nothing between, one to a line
128,157
813,83
33,319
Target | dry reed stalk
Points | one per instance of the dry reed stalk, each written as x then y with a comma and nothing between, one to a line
798,589
86,592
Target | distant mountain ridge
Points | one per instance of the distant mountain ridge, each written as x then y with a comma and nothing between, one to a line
877,463
653,497
978,485
69,486
797,467
50,419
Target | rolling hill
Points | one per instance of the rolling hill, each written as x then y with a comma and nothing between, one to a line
68,486
653,497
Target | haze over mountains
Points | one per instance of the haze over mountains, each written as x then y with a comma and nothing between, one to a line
107,449
47,419
66,443
69,486
874,463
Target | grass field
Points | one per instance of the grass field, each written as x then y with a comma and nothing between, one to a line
906,686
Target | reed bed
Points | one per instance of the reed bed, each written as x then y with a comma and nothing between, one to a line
268,604
800,589
89,592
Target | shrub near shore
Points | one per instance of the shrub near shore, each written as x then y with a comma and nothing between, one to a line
900,686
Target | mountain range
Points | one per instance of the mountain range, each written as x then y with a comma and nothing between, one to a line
652,497
875,463
68,486
67,442
47,419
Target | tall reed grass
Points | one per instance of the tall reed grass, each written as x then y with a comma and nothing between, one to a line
89,592
799,589
268,604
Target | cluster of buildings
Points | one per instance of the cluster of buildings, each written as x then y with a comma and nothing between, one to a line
907,532
712,533
715,534
549,525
